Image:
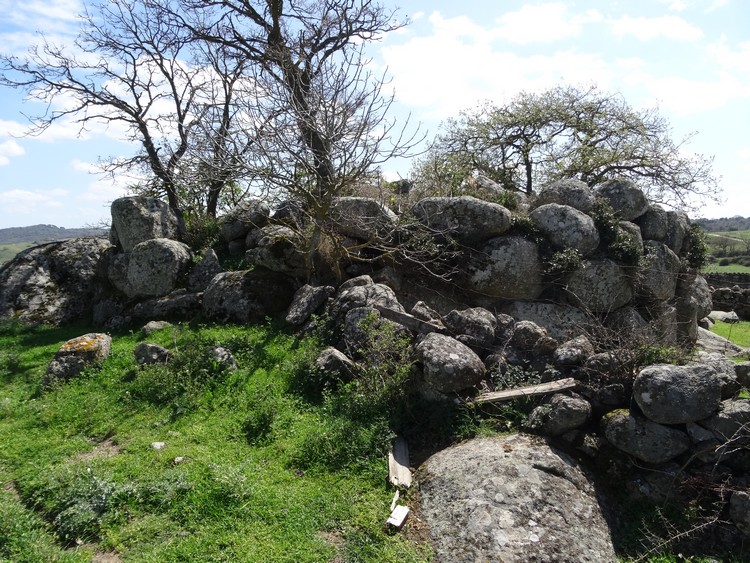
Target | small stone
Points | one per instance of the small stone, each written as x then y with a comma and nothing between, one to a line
158,445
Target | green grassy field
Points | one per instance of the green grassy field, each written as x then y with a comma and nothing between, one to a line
261,464
739,333
729,244
9,251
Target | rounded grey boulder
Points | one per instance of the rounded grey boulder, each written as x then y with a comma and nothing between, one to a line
624,196
566,227
642,438
572,192
601,286
671,394
507,267
139,218
448,364
512,499
156,265
468,219
658,280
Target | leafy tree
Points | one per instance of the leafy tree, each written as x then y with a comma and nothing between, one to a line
567,132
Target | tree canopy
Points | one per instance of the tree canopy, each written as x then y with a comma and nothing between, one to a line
569,132
224,94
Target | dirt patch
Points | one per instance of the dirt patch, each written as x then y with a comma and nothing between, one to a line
10,487
337,541
106,557
106,448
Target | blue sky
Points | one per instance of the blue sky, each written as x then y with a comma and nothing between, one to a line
690,58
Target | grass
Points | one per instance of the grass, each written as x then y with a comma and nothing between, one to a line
258,465
714,267
9,251
739,333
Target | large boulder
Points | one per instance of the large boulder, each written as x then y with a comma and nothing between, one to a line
560,415
507,267
466,218
307,300
54,283
566,227
448,365
511,499
204,271
671,394
574,352
278,249
731,423
247,296
362,218
362,292
476,323
694,302
241,219
561,321
600,286
76,355
624,196
677,226
658,279
178,305
572,192
137,219
156,265
648,441
653,223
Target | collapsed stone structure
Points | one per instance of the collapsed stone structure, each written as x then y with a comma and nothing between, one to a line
567,288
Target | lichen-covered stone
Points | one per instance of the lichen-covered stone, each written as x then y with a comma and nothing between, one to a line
137,219
247,296
448,364
53,283
575,193
306,301
362,218
600,286
156,265
671,394
248,215
624,196
566,227
511,499
658,279
648,441
507,267
467,219
476,323
560,415
76,355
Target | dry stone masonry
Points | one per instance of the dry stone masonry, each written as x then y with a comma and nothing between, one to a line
566,290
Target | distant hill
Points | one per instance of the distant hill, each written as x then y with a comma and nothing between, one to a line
44,233
735,223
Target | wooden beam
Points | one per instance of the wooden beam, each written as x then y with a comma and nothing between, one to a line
531,390
410,321
399,474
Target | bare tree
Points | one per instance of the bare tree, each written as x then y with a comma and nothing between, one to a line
132,67
321,115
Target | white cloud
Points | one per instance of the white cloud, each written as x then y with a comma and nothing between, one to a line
27,202
716,4
644,29
8,150
543,23
457,66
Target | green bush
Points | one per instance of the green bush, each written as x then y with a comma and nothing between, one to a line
619,244
696,255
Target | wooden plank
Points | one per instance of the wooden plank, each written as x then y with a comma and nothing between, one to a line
398,516
399,474
531,390
410,321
